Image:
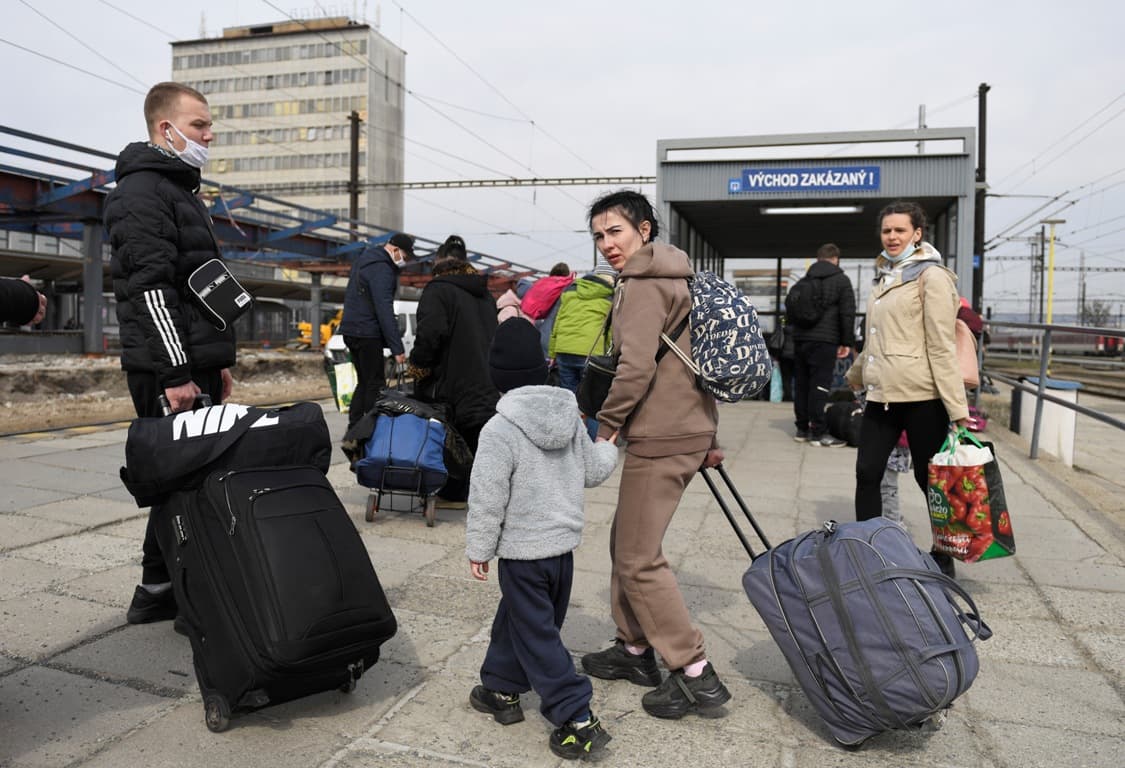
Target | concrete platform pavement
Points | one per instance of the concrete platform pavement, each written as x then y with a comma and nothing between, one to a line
80,687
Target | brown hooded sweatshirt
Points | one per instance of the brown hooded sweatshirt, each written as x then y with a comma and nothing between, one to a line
658,407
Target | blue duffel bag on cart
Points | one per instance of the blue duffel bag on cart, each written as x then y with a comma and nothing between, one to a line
404,453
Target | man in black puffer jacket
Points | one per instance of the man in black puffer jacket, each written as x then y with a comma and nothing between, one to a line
819,345
160,233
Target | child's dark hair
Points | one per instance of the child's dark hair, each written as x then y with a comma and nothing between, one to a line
913,210
562,269
634,206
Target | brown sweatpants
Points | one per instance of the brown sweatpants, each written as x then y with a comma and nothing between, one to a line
647,605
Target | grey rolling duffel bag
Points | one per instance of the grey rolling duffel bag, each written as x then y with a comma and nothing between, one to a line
870,626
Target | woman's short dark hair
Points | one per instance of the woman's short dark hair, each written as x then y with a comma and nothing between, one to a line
913,210
634,206
562,269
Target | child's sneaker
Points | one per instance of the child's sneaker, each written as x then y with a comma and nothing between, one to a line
580,741
504,707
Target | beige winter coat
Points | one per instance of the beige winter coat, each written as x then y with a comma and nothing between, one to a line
909,352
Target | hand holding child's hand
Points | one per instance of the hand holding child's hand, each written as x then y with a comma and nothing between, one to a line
611,439
479,570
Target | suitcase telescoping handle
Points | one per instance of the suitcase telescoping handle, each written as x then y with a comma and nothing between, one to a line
726,508
202,400
400,377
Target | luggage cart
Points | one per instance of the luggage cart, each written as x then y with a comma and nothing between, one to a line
417,499
404,458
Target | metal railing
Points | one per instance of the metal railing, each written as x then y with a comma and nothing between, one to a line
1039,390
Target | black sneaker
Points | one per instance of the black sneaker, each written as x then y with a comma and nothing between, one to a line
616,663
802,436
828,441
679,694
945,563
580,742
504,707
148,607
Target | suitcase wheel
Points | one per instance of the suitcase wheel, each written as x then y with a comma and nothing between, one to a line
372,507
348,686
429,510
216,713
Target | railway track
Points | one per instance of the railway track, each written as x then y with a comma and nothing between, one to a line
1104,383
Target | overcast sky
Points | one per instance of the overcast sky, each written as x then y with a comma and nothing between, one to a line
587,88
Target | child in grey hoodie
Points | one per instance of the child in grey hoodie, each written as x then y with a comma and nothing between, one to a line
526,508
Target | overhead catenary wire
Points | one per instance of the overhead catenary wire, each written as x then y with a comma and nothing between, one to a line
289,148
78,40
420,99
1060,140
280,145
492,87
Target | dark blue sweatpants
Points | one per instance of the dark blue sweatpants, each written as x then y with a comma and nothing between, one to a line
526,651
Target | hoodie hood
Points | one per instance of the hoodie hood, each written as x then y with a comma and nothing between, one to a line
924,253
146,156
658,260
508,299
547,416
592,287
822,269
475,284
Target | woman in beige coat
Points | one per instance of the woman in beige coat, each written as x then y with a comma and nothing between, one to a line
669,424
908,368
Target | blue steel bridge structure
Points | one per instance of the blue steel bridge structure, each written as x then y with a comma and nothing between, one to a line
58,189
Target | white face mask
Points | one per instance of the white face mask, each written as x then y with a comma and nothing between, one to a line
906,252
194,154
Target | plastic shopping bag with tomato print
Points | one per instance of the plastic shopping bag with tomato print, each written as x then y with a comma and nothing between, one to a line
968,513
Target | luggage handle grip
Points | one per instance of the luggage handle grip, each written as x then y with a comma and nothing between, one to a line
202,400
726,509
970,618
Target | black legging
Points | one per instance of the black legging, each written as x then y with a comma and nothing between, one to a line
926,424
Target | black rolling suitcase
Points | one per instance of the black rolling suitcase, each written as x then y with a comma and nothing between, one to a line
275,589
868,623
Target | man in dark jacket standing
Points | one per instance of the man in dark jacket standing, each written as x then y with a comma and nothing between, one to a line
369,322
820,344
160,233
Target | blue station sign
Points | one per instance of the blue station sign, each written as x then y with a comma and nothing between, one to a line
840,179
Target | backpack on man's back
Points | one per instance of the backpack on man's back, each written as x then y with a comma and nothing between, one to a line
804,304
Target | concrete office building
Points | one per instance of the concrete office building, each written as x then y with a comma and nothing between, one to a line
280,96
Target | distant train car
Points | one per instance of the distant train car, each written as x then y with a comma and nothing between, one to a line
1022,341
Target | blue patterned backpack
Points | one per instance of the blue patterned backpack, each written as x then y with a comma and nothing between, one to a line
728,354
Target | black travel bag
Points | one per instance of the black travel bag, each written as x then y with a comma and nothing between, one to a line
274,587
876,636
164,454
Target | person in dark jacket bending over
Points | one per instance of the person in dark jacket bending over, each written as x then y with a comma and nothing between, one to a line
20,303
819,346
449,362
160,233
369,322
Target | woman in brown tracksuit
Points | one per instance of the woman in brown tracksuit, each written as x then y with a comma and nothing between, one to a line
669,424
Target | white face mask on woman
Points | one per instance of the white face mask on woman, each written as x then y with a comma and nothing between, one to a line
905,253
193,153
